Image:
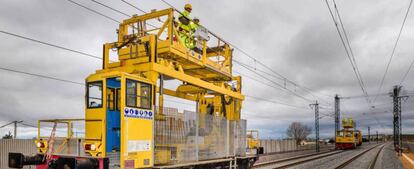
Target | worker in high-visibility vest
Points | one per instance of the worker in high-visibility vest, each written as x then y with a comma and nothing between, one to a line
184,26
194,26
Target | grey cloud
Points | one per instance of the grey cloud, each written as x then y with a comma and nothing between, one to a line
296,38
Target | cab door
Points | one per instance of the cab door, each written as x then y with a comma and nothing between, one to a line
137,123
113,86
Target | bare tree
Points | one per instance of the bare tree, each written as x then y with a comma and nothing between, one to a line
298,131
8,136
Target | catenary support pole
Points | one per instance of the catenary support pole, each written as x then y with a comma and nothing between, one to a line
337,113
316,105
396,119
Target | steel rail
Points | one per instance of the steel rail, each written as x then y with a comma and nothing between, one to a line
323,150
353,158
374,161
315,156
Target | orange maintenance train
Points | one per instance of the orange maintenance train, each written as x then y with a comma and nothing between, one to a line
348,137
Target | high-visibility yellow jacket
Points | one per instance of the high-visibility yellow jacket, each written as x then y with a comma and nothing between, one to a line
185,14
194,26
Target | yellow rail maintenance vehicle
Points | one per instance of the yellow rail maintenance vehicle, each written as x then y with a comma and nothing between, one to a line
126,123
253,142
348,137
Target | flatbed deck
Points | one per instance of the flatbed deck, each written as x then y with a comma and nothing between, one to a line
195,163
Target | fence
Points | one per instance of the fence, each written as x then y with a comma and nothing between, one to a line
409,146
276,146
26,146
273,146
190,136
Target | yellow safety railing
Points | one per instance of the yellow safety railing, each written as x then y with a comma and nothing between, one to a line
134,34
42,142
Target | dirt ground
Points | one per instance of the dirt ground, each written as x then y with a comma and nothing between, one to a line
407,163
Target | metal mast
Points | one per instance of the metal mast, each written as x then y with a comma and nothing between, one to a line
397,118
316,105
337,113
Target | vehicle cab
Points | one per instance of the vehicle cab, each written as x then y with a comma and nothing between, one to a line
119,118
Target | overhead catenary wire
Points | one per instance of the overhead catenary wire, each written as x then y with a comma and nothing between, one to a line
346,49
273,82
283,87
50,44
363,96
406,73
94,11
41,76
259,81
253,58
259,70
280,86
275,102
255,79
119,11
66,81
28,125
277,84
79,83
349,55
226,42
111,8
393,51
7,124
359,76
139,9
101,14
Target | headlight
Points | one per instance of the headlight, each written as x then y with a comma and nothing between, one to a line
91,147
40,144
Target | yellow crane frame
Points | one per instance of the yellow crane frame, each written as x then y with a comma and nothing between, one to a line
156,55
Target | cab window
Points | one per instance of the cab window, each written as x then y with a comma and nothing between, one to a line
94,94
340,133
112,96
348,134
118,98
138,94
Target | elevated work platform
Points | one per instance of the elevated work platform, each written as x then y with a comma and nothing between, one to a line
211,61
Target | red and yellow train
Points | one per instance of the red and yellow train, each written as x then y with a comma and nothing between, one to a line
348,137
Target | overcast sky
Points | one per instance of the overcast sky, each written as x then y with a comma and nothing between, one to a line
296,38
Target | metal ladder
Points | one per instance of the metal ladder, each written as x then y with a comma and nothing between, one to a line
233,163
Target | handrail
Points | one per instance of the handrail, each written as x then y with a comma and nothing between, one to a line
210,51
212,33
168,23
62,121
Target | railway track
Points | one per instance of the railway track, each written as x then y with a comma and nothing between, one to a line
296,160
322,149
280,155
301,159
377,149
